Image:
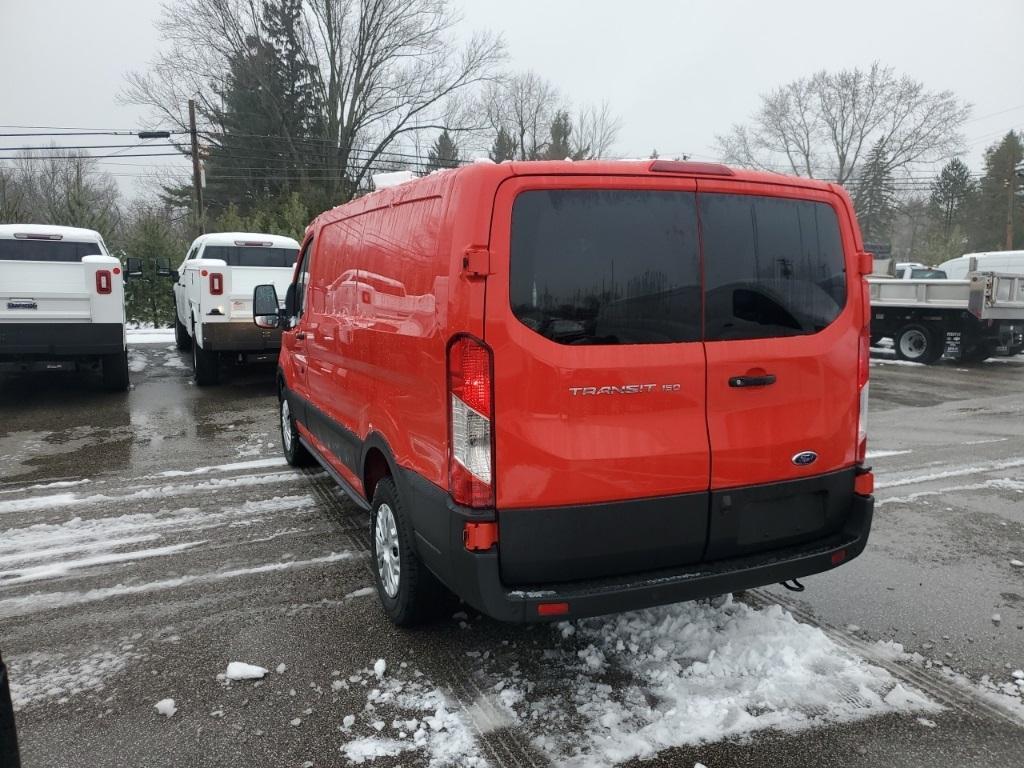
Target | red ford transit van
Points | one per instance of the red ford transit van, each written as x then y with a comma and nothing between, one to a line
564,389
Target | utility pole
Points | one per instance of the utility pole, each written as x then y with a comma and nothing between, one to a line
197,186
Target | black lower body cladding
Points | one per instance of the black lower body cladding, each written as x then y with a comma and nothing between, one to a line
239,337
830,527
59,340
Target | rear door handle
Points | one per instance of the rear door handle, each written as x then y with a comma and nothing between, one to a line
752,381
300,335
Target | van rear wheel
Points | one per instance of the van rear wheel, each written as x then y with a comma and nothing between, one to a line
408,592
918,344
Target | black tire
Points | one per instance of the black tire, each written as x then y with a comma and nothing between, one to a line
295,452
205,365
115,371
1014,351
181,338
918,344
418,595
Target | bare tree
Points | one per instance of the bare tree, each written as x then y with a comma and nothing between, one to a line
13,203
595,131
62,187
823,126
383,71
523,105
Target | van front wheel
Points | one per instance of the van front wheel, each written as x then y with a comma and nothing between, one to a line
407,590
295,452
181,338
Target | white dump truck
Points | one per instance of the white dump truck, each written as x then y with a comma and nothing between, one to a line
62,302
213,290
969,319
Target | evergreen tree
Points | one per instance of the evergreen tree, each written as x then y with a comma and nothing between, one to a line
504,147
560,145
151,235
444,153
996,200
875,195
951,191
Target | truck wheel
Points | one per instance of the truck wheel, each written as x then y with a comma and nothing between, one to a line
205,365
115,371
181,338
918,344
1014,351
408,592
295,452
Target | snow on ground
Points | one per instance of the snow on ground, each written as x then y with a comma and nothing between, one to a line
238,465
173,360
239,670
884,454
136,361
406,712
149,335
624,687
37,677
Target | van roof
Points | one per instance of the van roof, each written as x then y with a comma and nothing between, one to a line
987,254
436,182
230,238
71,234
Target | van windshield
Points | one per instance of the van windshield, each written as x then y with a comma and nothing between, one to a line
606,266
252,256
47,250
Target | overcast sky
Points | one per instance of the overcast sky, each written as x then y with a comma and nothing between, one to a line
676,72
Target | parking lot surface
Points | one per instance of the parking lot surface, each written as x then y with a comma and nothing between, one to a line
148,540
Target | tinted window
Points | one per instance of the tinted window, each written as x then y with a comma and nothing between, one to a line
46,250
772,267
927,274
302,283
606,266
241,256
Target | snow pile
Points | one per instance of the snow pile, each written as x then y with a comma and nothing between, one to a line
37,677
409,715
149,335
239,670
166,707
694,672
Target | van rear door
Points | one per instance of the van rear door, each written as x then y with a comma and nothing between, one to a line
42,279
593,315
782,333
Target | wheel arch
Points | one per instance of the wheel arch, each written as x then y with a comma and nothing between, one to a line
377,461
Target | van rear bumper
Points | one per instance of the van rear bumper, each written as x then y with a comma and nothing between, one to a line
54,341
476,577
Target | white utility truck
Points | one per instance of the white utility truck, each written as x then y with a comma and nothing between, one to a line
213,297
62,302
969,319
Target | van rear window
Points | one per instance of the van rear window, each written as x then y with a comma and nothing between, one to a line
252,256
772,266
47,250
606,266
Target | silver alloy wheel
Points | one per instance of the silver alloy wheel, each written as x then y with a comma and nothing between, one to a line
389,567
286,425
913,344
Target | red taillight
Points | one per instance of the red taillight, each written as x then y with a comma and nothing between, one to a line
104,282
216,283
838,556
552,609
863,389
864,358
471,454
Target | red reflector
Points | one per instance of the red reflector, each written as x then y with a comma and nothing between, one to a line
216,283
552,609
864,484
103,281
838,557
685,166
117,270
204,273
479,537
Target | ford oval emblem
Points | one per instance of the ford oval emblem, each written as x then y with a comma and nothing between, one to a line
804,458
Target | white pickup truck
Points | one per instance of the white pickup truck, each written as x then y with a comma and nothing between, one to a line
213,290
62,302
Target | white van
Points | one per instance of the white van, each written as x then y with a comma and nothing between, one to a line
213,297
1004,262
62,302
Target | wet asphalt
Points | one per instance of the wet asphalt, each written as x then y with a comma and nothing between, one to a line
192,545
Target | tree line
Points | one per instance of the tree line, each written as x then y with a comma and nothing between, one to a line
301,102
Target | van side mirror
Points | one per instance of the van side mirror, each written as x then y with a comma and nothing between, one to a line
266,312
289,301
133,267
163,267
174,275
